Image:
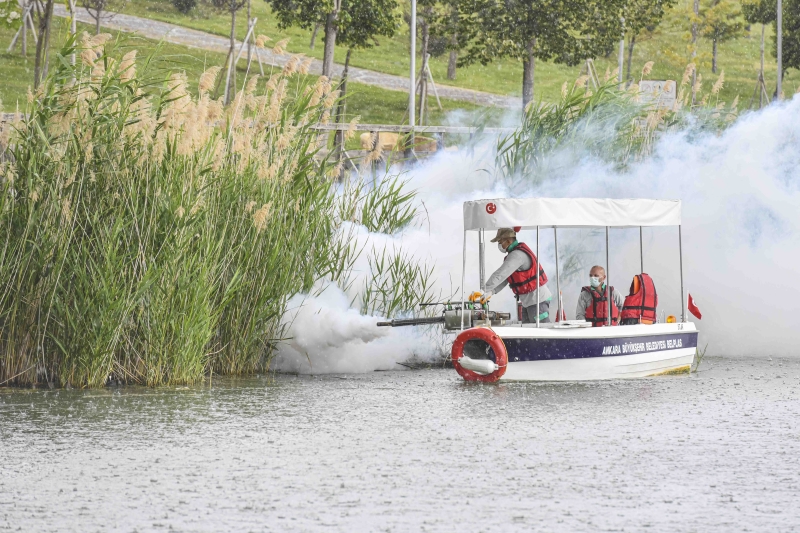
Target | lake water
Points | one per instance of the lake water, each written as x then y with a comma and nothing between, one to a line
410,451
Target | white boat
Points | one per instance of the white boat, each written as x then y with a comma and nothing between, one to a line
495,351
489,347
553,353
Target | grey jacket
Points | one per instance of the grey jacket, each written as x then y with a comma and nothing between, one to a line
585,301
517,261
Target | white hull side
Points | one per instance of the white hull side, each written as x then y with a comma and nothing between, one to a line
595,368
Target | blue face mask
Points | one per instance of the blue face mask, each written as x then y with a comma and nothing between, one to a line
594,281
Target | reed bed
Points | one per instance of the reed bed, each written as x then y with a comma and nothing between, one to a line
154,237
606,122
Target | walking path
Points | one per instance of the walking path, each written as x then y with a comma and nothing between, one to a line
171,33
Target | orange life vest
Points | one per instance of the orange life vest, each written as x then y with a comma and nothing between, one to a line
597,311
642,301
529,280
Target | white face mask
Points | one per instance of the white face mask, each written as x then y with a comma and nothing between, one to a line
594,281
500,247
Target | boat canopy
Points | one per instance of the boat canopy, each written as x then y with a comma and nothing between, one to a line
530,213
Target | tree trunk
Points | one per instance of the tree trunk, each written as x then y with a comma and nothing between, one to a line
229,83
714,56
249,41
73,29
341,107
330,43
763,27
97,22
49,16
314,35
696,10
528,66
630,55
452,63
41,47
423,72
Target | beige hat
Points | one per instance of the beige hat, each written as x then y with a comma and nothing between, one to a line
504,233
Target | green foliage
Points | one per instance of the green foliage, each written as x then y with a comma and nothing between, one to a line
791,35
608,124
643,15
759,11
10,14
561,31
144,244
358,22
722,21
443,27
397,283
388,207
596,122
184,6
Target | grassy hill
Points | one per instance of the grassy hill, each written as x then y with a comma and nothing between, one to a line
739,58
374,105
666,47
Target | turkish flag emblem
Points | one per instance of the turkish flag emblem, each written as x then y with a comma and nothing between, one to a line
491,208
694,309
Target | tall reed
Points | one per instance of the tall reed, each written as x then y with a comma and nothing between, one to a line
151,236
610,124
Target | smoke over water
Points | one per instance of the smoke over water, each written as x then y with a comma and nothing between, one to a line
741,242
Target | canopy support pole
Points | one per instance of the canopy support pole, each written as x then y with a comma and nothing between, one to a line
641,251
537,277
680,256
463,275
558,281
482,259
608,282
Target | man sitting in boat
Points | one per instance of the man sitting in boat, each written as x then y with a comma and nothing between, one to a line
641,303
522,272
593,301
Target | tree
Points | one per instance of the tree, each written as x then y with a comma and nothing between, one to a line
760,12
10,14
722,21
45,20
95,8
184,6
231,6
359,34
641,16
563,31
363,19
791,35
443,28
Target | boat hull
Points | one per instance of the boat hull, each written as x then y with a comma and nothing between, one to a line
555,354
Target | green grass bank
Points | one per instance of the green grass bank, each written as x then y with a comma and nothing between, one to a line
739,58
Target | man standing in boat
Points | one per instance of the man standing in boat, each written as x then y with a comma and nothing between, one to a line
522,272
593,301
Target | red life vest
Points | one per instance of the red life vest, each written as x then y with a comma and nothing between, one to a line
526,281
642,301
597,311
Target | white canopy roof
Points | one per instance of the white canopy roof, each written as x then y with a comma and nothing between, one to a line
569,212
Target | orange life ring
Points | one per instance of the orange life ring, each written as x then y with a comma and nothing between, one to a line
495,342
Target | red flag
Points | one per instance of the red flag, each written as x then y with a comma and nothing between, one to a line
694,309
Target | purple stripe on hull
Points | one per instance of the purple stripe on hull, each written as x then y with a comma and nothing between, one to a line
528,349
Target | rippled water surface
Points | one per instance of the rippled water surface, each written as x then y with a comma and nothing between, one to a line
410,451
